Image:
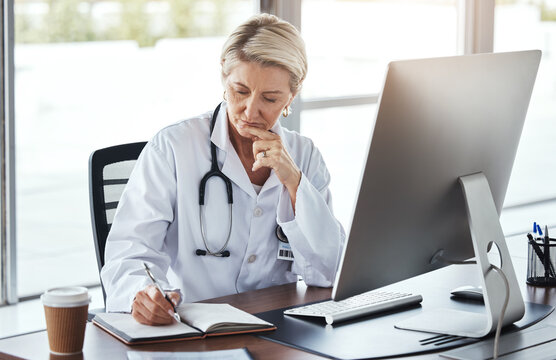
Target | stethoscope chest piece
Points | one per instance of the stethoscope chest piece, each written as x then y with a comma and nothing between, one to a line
224,253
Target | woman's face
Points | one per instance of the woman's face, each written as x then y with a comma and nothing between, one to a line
256,96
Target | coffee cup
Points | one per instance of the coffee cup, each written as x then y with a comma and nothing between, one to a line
65,310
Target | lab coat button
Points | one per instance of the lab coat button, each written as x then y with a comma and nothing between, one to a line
258,212
252,258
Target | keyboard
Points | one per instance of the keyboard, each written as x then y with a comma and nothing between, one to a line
359,305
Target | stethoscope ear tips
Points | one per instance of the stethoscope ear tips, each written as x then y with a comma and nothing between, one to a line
200,252
225,253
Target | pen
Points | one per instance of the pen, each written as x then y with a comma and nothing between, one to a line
547,260
155,283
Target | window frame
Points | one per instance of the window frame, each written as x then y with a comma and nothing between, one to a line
475,32
8,258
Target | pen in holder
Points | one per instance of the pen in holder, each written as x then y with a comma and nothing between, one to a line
541,258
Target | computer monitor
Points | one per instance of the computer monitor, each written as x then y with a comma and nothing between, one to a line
438,119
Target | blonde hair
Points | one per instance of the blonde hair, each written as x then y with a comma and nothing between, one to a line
268,41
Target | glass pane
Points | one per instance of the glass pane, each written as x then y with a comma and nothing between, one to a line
348,56
91,74
523,25
349,43
343,149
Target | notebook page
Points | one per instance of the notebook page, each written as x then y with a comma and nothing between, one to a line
205,316
128,325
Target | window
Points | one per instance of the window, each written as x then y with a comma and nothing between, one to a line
91,74
524,25
342,135
349,44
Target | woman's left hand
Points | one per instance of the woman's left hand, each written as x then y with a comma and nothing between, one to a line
269,151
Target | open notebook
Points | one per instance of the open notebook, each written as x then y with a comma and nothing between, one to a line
198,321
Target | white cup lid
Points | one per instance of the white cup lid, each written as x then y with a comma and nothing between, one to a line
66,297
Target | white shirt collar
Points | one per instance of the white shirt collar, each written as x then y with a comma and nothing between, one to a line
231,164
221,136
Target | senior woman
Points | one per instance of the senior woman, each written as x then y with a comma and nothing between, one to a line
280,223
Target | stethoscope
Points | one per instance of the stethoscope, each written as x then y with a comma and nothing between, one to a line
215,171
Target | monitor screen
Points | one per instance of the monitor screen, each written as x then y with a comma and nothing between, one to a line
438,119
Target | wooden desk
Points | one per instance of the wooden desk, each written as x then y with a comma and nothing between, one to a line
100,345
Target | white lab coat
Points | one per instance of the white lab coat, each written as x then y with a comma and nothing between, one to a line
158,219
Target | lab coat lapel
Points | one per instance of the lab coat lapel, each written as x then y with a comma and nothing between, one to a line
230,164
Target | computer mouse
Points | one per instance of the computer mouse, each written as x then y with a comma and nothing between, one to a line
468,292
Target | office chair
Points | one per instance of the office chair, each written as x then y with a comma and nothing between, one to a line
109,170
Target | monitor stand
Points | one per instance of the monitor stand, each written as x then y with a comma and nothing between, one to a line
485,229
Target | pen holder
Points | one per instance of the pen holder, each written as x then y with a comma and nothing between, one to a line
540,267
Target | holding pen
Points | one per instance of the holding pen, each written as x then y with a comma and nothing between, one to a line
149,314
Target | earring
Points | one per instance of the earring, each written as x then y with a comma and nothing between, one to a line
286,111
224,95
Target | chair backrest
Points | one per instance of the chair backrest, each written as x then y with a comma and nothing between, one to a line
109,170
